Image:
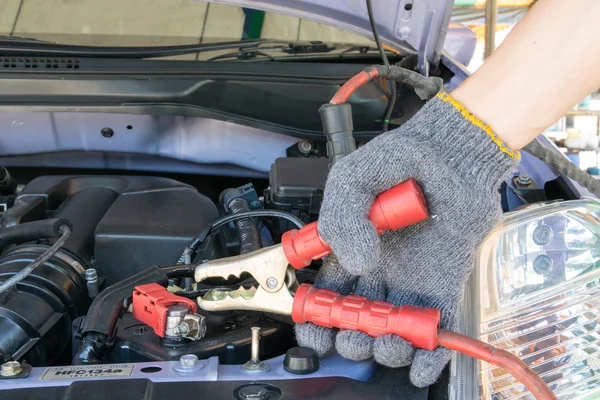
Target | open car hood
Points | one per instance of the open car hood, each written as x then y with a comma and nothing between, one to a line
412,25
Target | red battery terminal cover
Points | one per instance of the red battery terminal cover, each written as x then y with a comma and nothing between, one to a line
151,303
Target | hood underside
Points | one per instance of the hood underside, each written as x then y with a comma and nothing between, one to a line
409,25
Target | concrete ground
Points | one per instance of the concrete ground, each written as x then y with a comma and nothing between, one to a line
149,22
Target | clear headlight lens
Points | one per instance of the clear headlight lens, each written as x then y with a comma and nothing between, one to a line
535,292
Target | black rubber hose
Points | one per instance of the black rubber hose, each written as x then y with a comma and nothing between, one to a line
104,313
246,227
65,232
29,231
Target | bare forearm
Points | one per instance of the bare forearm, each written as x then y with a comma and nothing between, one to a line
547,64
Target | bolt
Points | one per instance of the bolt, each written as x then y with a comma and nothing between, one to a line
11,368
188,360
254,392
272,283
182,329
523,179
107,132
305,146
404,32
255,365
91,278
255,344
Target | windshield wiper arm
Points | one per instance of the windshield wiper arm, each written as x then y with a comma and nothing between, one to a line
16,48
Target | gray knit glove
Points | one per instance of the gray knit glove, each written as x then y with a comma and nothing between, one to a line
459,163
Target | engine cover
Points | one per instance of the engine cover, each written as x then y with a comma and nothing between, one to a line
121,224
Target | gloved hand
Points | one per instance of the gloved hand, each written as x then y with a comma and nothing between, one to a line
459,163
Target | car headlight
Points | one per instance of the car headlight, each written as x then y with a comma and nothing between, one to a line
535,292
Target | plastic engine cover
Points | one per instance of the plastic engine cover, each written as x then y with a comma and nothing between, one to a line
122,224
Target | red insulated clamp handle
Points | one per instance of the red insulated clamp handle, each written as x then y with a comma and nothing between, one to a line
418,325
396,208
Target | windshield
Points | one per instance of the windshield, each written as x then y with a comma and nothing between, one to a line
156,23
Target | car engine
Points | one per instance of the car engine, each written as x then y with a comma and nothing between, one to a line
127,230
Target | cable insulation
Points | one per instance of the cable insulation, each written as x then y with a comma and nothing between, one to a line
501,358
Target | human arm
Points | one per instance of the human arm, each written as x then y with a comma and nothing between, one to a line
547,64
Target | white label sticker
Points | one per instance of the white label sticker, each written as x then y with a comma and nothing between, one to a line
87,372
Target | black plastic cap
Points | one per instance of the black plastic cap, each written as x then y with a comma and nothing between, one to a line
301,361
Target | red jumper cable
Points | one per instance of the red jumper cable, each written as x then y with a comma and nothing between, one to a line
279,292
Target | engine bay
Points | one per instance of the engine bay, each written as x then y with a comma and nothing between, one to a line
126,225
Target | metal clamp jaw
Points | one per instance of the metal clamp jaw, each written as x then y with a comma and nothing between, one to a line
269,266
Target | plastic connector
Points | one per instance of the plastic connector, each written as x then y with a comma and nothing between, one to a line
338,127
417,325
396,208
150,305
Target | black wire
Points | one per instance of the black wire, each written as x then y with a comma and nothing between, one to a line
197,241
386,62
257,213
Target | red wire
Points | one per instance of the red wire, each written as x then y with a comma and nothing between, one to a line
501,358
352,84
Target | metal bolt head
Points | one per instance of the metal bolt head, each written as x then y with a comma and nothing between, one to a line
188,360
305,146
272,283
523,179
11,368
193,326
404,32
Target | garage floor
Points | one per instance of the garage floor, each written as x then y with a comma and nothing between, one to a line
149,22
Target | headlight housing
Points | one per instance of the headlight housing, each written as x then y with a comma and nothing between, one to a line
535,292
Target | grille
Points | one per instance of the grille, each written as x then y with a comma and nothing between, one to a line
38,63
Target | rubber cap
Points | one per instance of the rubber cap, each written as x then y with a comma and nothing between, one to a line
399,207
301,361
